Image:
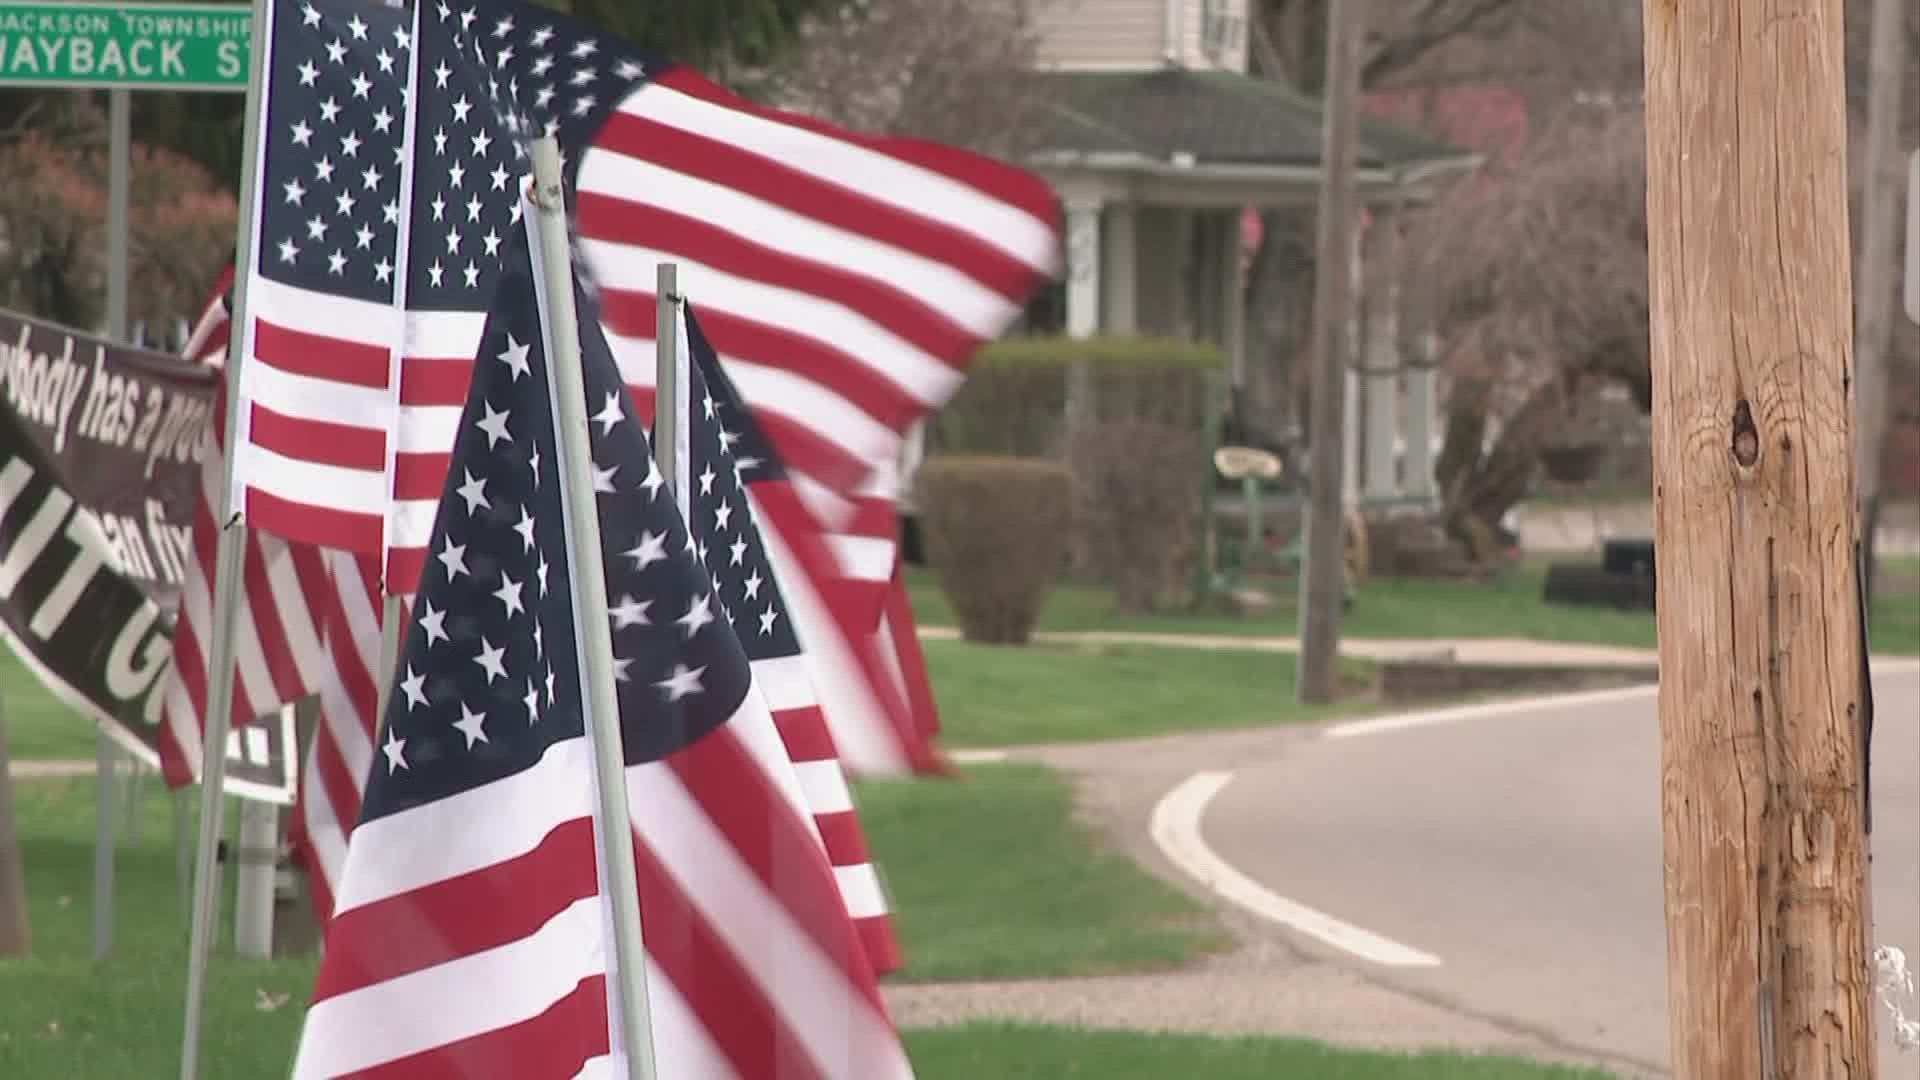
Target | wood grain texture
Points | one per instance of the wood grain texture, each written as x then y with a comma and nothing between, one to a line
1761,743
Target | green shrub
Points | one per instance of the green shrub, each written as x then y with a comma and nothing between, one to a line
996,531
1015,397
1137,486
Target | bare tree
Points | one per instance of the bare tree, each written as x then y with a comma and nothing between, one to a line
1421,51
960,72
1533,274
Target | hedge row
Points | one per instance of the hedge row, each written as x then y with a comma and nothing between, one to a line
1016,395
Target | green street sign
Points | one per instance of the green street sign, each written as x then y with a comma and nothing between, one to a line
131,46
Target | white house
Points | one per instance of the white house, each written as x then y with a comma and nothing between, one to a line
1159,142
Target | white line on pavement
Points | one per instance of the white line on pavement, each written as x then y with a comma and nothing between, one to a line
1176,831
1487,710
1884,667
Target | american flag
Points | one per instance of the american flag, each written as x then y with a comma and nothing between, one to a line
344,603
329,235
470,932
278,650
724,445
314,633
848,278
340,756
870,722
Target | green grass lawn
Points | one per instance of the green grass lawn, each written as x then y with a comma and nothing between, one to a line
1508,605
1012,1052
990,877
39,726
988,696
993,695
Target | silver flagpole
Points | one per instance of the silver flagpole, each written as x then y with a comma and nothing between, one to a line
554,274
228,563
669,384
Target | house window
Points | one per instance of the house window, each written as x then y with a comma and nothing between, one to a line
1220,28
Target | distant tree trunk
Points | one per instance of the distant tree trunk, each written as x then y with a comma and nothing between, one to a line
1478,486
16,939
1279,284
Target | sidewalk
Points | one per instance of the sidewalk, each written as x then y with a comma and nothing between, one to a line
1569,530
1519,652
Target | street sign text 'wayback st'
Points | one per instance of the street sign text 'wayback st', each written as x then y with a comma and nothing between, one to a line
136,46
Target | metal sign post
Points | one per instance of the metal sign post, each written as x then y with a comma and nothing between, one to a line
120,48
1913,237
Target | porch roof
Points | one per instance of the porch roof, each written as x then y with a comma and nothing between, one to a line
1198,123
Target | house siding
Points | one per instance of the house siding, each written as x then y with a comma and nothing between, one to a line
1101,35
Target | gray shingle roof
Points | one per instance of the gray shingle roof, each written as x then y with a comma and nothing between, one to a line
1218,117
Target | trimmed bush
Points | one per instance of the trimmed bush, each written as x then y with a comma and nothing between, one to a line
1015,398
996,531
1138,486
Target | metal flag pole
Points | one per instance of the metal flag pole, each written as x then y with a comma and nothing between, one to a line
554,281
106,756
670,383
393,612
228,563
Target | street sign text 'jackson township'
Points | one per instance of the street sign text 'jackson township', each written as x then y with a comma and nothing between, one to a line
153,46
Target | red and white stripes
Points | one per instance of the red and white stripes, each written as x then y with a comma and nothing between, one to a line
278,655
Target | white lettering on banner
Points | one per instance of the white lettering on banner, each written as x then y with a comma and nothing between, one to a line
32,540
108,414
41,387
171,542
90,554
230,60
125,681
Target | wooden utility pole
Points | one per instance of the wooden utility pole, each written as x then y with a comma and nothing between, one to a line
1762,689
1321,580
1879,209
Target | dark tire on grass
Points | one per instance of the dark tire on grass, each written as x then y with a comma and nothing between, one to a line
1582,585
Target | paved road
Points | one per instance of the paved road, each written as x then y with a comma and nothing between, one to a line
1525,852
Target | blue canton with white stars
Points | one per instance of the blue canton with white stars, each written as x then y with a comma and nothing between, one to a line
727,452
493,76
488,676
334,150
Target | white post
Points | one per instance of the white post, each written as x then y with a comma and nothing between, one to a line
562,332
1421,378
1350,373
1119,267
106,756
256,859
1383,393
228,564
1083,267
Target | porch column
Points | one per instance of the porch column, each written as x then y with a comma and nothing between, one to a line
1350,408
1120,284
1382,372
1233,301
1083,266
1422,377
1183,320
